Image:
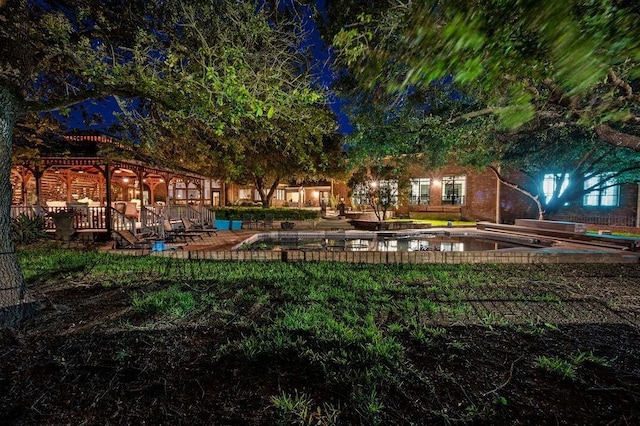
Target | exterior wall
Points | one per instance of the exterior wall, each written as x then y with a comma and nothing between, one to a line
479,197
480,201
515,205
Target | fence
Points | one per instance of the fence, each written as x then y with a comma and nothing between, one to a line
94,218
599,219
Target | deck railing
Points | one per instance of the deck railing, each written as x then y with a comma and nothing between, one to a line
200,214
120,222
88,218
151,218
599,219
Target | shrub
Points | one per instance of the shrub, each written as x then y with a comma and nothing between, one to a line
260,213
27,230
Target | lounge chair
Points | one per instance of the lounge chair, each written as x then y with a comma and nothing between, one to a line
126,239
188,226
170,232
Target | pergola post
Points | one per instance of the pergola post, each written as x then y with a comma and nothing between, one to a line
37,174
107,208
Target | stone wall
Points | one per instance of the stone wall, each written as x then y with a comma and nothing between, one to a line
417,257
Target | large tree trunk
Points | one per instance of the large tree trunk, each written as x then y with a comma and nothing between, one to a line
265,196
12,288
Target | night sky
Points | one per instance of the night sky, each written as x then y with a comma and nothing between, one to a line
322,60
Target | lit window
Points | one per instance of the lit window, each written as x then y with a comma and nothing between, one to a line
605,196
420,190
388,192
280,195
359,195
454,189
385,192
551,182
244,194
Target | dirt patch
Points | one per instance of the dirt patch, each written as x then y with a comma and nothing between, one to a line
87,358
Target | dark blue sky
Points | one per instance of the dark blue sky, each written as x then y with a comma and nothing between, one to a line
322,68
322,63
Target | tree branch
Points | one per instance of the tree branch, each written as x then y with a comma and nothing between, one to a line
59,103
473,114
628,90
517,188
616,138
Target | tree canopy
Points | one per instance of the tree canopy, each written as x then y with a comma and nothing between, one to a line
510,83
185,74
530,64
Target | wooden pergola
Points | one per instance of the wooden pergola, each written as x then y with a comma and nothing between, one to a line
102,185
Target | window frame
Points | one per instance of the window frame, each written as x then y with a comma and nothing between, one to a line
610,191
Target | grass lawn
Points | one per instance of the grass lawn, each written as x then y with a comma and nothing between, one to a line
159,340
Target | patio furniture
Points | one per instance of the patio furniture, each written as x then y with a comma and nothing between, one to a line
188,226
126,239
170,232
267,222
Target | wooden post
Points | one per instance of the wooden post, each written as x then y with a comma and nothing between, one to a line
498,197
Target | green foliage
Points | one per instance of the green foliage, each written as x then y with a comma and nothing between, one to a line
172,301
28,230
297,409
259,213
556,365
434,80
568,368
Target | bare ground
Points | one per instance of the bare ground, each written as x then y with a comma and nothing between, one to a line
84,359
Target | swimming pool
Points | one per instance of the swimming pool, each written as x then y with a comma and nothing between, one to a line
389,241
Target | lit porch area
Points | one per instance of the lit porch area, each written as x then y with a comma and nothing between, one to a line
107,195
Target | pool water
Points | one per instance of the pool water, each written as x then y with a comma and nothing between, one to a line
379,242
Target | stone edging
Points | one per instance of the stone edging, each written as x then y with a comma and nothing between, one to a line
416,257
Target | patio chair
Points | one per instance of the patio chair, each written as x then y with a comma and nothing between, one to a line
267,222
131,211
170,232
188,226
249,222
126,239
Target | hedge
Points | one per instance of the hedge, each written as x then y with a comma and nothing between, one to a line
259,213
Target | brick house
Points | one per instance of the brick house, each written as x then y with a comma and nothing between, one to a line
461,192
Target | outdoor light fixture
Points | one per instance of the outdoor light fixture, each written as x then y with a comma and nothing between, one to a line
436,182
125,180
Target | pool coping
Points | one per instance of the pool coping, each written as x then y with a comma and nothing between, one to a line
562,253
